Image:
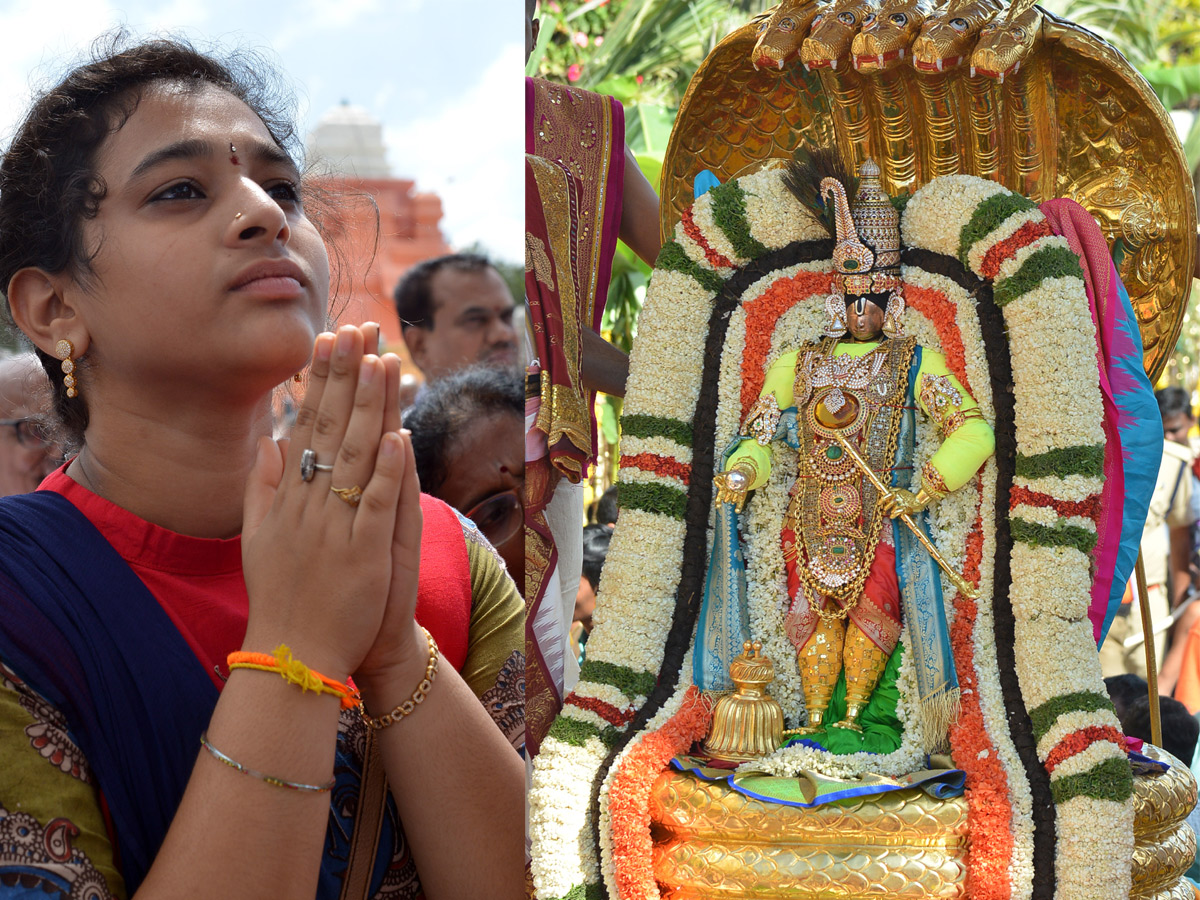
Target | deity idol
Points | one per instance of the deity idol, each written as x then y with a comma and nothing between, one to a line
1035,315
850,394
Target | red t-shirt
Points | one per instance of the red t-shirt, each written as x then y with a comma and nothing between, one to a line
197,581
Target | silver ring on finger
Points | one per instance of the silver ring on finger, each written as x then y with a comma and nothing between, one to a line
308,465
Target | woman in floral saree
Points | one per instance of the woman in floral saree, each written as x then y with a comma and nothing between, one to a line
154,248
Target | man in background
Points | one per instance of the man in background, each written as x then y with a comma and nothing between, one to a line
456,311
1166,548
606,508
26,453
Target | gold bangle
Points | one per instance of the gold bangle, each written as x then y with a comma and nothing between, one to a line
957,420
932,482
749,468
418,696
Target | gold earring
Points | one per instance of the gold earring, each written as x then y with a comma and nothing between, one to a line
892,326
66,351
835,309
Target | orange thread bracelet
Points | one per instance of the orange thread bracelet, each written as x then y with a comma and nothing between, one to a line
294,672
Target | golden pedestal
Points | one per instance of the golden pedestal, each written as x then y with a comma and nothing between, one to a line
712,843
1164,844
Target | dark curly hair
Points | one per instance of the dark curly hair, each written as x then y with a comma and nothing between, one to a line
445,409
49,185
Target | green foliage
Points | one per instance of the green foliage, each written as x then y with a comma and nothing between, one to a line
656,426
655,498
574,732
628,681
1145,31
729,214
571,32
1083,460
1045,262
1043,717
1175,85
673,258
1060,534
988,216
1109,780
643,52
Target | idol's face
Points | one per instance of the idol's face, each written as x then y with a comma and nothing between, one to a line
863,319
203,258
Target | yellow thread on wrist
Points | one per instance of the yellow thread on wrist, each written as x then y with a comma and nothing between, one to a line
294,672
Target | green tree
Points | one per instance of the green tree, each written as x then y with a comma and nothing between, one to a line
644,53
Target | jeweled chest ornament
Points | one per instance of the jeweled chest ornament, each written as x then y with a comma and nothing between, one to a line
832,512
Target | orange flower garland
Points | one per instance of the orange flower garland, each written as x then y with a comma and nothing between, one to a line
989,268
1078,741
629,794
692,230
609,713
761,315
988,803
1088,508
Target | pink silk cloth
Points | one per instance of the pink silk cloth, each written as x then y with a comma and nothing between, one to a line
1074,223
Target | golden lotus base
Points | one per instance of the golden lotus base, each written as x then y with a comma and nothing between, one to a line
712,843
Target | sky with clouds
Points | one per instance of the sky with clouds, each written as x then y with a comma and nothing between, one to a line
443,78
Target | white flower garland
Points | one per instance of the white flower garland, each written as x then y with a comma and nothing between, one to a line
1058,406
558,816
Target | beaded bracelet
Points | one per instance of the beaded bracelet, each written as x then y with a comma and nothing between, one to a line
269,779
294,672
418,696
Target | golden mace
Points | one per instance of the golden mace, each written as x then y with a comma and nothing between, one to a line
964,587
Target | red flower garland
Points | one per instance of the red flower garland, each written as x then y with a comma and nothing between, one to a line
692,230
629,794
609,713
763,314
935,306
989,266
659,465
1089,508
989,806
1078,741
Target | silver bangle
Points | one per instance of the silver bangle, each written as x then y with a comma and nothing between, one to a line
269,779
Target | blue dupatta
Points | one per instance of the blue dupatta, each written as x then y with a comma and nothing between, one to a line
83,631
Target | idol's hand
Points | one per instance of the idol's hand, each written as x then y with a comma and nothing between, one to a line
316,541
898,502
732,486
